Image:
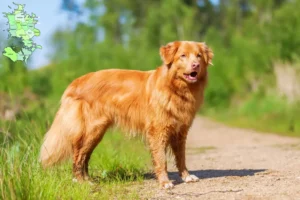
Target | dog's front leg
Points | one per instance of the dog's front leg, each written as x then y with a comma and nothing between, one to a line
158,144
177,143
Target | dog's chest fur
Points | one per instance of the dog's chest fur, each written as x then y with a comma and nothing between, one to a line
176,109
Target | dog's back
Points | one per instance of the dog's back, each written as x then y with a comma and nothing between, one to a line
120,95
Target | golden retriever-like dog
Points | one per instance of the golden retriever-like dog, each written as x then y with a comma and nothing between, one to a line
161,104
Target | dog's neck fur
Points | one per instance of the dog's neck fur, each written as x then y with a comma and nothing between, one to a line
183,99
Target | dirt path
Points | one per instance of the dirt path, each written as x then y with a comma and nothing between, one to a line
235,164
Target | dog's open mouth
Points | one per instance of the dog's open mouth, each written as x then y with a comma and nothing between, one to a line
191,76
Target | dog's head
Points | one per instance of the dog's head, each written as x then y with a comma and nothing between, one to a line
187,59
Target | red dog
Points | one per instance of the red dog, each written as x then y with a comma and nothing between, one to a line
161,104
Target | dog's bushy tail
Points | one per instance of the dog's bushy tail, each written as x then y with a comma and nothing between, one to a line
57,145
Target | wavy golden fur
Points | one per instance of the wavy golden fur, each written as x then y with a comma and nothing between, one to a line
161,104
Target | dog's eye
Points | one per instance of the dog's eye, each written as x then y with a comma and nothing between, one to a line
182,56
199,55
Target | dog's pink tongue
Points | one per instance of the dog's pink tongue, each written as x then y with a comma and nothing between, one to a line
192,77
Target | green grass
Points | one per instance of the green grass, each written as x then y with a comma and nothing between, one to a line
116,164
267,114
271,125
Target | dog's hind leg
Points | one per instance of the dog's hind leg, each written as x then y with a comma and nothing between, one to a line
90,144
84,148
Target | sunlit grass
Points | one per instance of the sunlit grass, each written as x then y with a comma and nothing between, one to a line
116,164
267,114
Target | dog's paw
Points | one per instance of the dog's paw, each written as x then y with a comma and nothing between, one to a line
190,178
167,185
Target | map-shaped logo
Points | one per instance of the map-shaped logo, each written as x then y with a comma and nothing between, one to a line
21,31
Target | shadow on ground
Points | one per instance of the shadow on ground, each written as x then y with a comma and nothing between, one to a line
124,175
210,173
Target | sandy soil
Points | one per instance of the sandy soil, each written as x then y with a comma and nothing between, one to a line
234,163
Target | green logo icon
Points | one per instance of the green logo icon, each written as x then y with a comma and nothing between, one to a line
21,30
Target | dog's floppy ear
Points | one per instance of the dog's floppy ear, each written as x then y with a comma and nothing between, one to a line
207,53
168,52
